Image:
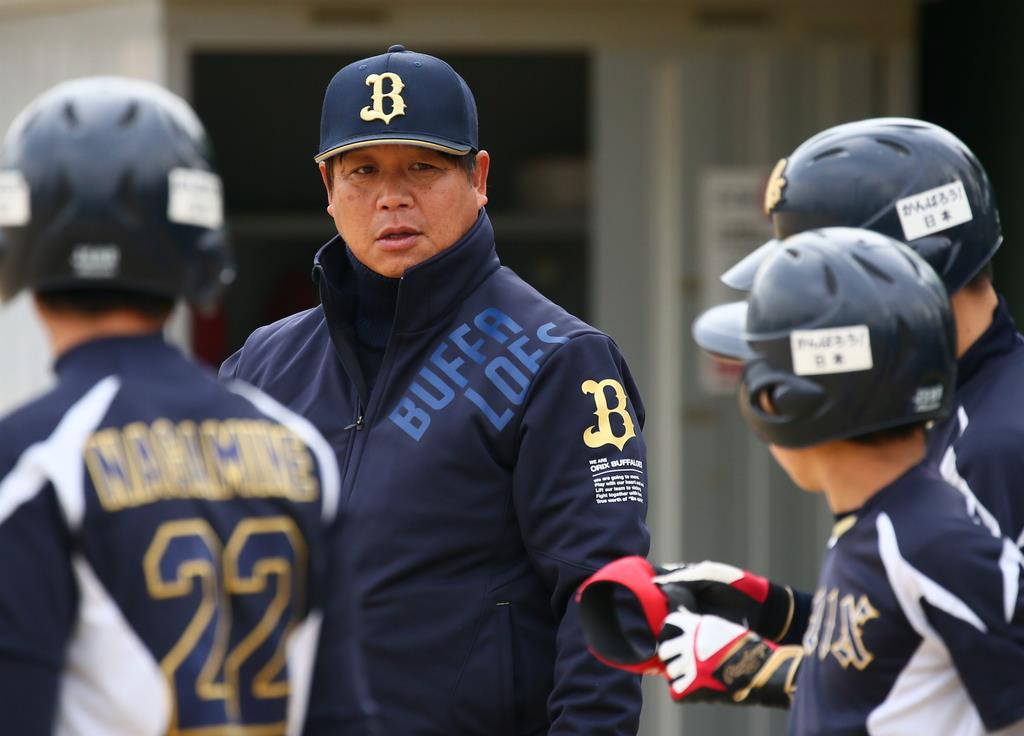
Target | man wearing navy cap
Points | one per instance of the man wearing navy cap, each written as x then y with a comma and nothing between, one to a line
490,442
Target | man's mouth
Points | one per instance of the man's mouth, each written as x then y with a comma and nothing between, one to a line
397,238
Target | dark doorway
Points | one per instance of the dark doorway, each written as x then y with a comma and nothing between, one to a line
971,70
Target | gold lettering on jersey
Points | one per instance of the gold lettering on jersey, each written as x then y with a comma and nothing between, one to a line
836,628
829,622
221,459
849,647
376,111
603,433
814,622
776,185
106,459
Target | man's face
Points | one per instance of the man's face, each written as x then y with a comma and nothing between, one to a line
398,205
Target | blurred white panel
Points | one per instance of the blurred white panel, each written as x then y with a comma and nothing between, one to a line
25,367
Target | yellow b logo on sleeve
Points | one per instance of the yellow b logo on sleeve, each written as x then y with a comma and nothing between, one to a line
603,434
376,112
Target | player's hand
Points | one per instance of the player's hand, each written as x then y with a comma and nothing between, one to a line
709,659
731,593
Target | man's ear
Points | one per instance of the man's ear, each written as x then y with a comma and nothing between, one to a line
325,175
483,167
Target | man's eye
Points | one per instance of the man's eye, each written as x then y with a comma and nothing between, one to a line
363,169
422,166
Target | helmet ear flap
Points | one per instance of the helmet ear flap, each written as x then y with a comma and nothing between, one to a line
777,404
798,397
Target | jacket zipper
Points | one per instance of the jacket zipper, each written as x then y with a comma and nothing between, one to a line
360,421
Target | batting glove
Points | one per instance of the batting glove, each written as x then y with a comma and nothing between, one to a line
709,659
733,594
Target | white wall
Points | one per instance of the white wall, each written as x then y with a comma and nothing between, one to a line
40,45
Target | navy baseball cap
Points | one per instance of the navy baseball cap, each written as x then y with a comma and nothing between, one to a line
398,97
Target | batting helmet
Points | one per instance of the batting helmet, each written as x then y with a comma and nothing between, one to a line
108,183
904,178
849,332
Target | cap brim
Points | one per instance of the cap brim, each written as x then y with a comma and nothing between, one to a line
741,275
720,331
436,144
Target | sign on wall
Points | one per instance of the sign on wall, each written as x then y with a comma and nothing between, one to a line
732,224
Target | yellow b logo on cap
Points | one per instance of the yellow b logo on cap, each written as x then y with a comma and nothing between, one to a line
376,112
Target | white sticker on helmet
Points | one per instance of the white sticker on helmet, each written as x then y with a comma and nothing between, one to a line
831,350
14,199
195,197
933,211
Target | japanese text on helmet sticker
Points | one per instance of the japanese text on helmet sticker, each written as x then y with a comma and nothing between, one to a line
194,197
831,350
934,210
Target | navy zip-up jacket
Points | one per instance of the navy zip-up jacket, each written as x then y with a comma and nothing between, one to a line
980,447
497,462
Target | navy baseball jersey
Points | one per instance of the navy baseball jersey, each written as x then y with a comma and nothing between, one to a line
979,447
165,543
916,626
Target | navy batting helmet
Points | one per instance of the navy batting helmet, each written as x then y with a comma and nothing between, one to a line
108,183
848,331
904,178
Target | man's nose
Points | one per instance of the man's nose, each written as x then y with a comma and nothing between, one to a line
395,194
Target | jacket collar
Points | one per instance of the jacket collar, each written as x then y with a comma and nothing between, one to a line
428,291
1000,337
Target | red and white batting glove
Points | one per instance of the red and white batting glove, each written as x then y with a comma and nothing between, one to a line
733,594
709,659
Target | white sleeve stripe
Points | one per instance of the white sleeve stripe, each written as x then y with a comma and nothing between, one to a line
111,684
58,458
19,486
911,585
948,470
329,475
300,653
961,418
1009,563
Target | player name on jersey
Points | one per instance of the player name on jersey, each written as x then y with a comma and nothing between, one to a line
216,460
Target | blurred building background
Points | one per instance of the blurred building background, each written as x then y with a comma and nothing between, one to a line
630,141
